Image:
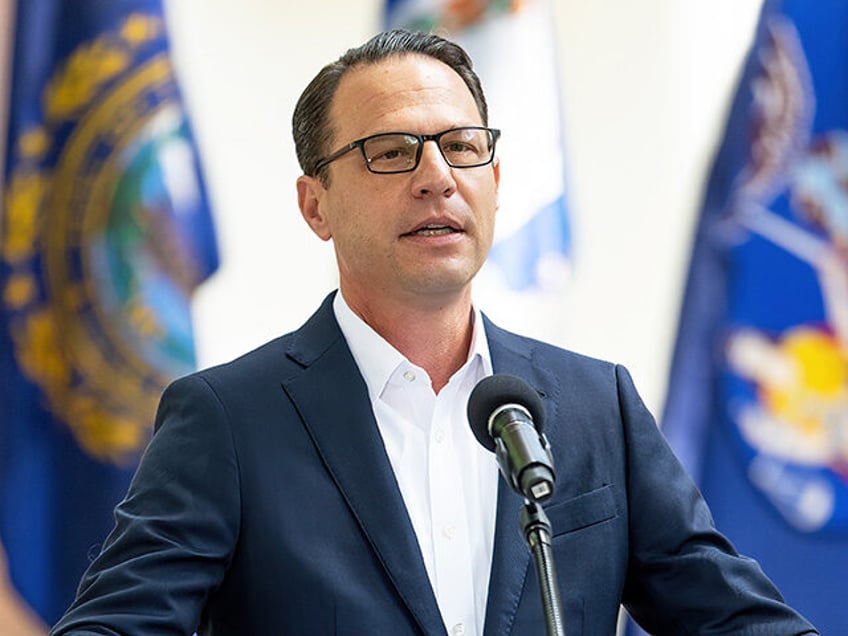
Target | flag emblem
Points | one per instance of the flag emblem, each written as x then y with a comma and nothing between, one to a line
786,359
99,266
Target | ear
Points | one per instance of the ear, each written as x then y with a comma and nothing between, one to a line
310,194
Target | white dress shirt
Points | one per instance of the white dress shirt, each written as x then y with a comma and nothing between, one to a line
447,479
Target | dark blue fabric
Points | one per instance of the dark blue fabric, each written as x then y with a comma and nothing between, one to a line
266,503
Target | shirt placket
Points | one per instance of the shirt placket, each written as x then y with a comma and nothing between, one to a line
454,584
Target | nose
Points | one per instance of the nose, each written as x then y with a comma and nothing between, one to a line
433,176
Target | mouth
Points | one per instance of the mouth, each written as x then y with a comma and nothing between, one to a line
434,229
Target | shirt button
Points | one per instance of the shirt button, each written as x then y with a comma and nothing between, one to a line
449,532
409,376
458,629
439,436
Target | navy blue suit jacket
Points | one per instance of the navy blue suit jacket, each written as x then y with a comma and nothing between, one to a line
266,504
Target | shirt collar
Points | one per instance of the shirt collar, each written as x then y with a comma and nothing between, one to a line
377,359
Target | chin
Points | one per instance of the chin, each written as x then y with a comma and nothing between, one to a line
442,283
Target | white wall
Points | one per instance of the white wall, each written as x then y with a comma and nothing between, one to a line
645,86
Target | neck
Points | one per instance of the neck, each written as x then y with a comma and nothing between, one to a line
435,336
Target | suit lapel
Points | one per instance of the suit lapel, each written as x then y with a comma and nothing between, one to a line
511,555
332,399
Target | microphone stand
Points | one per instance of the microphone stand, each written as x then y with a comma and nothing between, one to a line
537,532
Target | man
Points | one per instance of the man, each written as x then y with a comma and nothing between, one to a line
328,483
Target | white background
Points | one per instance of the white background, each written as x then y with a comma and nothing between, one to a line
645,87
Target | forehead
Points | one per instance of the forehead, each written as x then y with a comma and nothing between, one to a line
410,93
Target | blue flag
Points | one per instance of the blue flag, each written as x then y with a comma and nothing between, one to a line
105,234
757,406
505,39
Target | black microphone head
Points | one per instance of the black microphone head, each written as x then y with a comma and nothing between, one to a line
495,391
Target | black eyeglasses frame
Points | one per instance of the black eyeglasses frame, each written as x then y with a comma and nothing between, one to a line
360,143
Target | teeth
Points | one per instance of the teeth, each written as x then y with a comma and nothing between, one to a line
437,230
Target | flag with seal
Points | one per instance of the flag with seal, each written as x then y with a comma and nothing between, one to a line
106,232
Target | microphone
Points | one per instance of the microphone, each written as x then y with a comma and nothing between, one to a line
506,415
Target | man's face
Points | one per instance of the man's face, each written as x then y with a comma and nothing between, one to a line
412,237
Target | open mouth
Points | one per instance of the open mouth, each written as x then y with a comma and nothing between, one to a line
433,230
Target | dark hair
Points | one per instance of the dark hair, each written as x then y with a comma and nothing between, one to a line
310,122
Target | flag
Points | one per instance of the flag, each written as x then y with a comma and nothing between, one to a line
757,405
513,48
105,234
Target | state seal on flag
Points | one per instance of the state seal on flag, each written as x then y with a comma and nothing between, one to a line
786,353
99,276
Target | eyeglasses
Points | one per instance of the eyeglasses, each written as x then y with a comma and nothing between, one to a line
390,153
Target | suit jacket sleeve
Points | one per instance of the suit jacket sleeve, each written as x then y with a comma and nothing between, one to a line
175,530
684,577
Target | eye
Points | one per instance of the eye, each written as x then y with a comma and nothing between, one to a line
465,146
458,147
391,154
395,150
